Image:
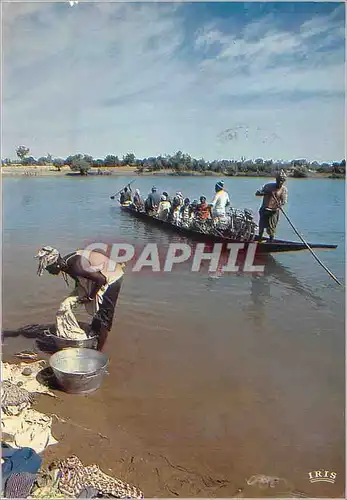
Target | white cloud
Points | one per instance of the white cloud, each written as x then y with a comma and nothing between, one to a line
111,77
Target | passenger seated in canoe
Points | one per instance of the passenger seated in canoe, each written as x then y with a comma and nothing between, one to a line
125,197
167,196
138,201
275,195
220,202
185,213
152,202
179,197
164,208
97,280
176,204
193,208
203,210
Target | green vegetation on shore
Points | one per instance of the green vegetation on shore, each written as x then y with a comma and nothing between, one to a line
183,164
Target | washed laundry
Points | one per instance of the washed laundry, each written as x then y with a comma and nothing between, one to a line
75,477
47,485
66,323
18,375
29,429
14,399
19,485
18,470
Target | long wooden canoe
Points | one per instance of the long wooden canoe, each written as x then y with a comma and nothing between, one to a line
265,246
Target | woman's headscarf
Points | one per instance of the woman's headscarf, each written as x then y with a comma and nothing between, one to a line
46,256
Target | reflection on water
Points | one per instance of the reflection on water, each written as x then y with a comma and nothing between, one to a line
279,273
260,293
262,289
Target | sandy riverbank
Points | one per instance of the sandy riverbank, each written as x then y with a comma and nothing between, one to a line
35,171
31,171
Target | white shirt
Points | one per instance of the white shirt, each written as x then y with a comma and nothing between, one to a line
219,203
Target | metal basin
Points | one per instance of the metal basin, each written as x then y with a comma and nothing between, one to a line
79,370
61,343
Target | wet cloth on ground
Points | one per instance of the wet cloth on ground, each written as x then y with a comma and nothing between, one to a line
19,485
29,429
22,426
14,399
18,460
18,470
75,477
14,373
47,485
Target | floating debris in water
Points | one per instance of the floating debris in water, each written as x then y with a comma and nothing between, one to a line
264,481
282,488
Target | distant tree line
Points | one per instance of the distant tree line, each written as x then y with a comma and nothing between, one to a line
181,163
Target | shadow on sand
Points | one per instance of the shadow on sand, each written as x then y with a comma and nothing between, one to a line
47,378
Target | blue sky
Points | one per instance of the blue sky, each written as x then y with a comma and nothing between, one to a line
155,78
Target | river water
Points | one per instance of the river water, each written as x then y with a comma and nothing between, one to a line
228,376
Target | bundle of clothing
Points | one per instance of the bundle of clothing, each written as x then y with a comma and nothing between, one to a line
22,477
18,471
74,480
25,432
22,426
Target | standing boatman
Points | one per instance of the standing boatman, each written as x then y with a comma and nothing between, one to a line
275,195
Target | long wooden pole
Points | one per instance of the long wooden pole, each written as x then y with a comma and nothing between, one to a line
307,245
113,197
